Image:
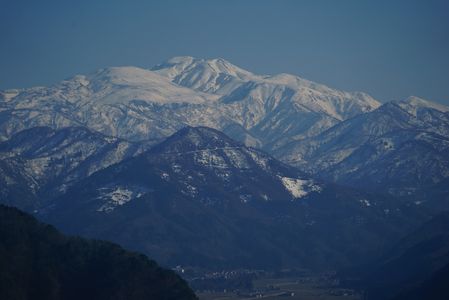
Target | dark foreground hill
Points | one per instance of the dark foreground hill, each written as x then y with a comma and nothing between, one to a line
37,262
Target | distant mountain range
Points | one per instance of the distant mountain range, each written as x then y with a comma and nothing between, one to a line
201,162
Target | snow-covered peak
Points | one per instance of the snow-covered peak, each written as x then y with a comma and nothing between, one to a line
216,75
413,104
173,66
220,77
176,65
221,65
109,86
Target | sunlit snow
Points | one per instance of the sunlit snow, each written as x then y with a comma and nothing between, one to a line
299,188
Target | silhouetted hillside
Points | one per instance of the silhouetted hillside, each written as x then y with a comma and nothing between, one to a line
37,262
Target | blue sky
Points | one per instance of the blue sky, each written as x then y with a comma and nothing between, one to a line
390,49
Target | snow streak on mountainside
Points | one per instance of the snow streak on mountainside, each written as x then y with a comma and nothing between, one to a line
139,104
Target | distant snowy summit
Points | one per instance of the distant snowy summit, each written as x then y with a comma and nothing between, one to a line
216,76
219,76
138,104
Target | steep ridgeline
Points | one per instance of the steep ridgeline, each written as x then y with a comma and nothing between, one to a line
401,148
136,104
37,262
38,164
199,198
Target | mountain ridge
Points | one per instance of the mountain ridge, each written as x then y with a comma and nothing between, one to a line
401,147
200,187
136,104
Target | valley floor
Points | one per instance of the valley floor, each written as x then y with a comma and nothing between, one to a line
295,288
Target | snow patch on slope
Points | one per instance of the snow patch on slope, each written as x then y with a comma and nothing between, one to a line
299,188
209,158
259,160
117,196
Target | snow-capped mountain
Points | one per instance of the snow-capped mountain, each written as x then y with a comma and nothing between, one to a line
40,163
400,147
273,109
200,198
139,104
218,76
215,76
204,165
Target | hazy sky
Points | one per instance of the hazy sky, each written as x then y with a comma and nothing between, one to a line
390,49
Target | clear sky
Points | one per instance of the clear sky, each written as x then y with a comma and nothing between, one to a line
388,48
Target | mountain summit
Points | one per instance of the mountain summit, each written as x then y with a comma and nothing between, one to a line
216,76
138,104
